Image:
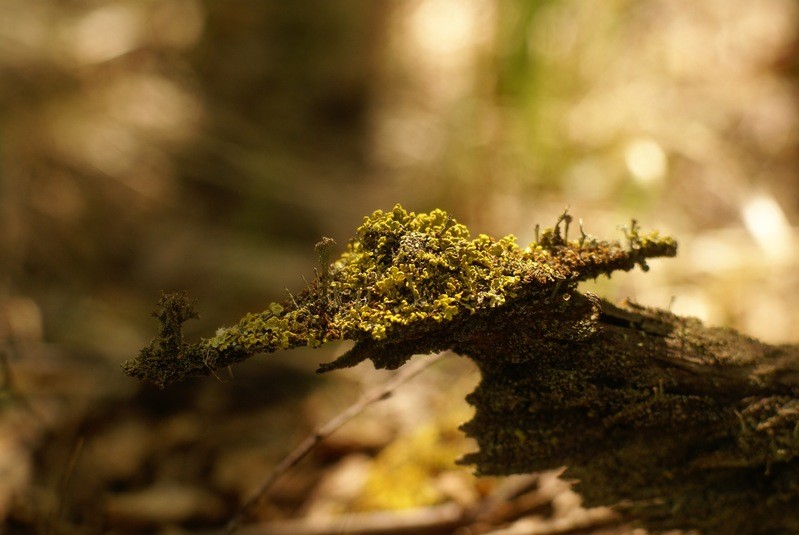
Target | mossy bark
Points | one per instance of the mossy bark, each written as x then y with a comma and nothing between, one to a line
677,424
680,425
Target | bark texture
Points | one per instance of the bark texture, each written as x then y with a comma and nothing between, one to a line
674,423
677,424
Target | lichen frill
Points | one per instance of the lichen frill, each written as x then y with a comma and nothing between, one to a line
403,268
406,274
400,269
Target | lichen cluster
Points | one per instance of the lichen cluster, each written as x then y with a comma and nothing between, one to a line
404,268
404,275
689,426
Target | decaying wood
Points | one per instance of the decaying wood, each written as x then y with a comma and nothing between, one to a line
676,424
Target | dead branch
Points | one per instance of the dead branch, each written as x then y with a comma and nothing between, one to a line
297,454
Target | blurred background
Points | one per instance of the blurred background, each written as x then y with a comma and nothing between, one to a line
207,146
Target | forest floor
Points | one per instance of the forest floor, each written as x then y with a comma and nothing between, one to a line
84,449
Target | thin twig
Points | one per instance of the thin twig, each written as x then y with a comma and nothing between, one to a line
381,392
514,503
66,479
423,520
431,519
577,520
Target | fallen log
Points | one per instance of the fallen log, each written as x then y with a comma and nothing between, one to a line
673,423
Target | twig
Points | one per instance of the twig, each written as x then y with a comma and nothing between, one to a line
420,520
577,520
66,479
434,519
377,394
518,496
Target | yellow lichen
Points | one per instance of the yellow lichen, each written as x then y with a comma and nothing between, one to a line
403,276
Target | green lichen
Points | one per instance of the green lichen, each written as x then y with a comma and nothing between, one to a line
678,424
682,425
404,278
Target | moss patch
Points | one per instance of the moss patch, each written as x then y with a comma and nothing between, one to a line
682,425
403,277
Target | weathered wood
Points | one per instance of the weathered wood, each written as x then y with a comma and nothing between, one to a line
676,424
681,425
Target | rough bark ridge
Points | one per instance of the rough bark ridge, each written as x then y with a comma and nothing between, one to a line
680,424
677,424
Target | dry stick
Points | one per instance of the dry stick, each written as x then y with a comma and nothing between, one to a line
492,509
516,500
432,519
580,520
379,393
63,486
424,520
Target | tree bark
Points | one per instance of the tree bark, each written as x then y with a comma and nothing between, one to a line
677,424
674,423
